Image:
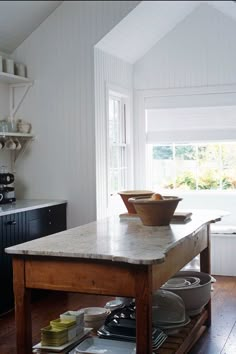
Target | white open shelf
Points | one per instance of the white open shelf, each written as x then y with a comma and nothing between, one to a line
13,79
19,135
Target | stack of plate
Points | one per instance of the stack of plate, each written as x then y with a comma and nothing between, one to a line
69,325
121,325
53,336
94,317
158,337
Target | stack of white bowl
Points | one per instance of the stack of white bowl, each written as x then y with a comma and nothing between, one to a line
193,287
94,317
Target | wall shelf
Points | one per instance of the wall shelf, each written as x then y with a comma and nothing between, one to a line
24,139
18,87
16,135
14,79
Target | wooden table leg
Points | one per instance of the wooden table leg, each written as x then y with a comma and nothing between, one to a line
205,266
22,308
143,300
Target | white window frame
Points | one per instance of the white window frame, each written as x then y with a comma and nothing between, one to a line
126,97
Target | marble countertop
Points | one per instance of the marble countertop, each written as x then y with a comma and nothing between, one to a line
116,239
27,204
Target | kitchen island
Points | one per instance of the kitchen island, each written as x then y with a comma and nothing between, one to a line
111,257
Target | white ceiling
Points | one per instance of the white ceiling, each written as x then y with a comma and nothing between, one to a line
18,19
150,21
130,39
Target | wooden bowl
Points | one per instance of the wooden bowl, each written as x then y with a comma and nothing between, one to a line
125,195
155,212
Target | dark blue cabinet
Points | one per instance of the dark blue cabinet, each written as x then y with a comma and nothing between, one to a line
21,227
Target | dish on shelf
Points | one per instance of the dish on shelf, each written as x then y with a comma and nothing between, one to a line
99,346
176,283
179,282
95,316
194,297
78,338
95,312
167,309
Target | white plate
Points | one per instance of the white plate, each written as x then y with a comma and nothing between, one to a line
104,346
64,346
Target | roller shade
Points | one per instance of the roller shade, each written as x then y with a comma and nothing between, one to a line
190,124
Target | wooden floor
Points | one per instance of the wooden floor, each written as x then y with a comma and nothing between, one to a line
220,338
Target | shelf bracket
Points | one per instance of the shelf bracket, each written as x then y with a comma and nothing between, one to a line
15,102
25,144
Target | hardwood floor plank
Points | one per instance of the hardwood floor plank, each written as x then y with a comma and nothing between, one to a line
230,346
223,318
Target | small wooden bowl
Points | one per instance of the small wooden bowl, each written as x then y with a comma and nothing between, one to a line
125,195
155,212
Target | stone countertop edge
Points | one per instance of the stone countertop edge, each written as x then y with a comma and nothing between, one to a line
22,205
139,245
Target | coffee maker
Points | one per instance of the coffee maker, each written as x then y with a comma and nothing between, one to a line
7,191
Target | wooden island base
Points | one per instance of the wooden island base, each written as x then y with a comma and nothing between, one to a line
47,264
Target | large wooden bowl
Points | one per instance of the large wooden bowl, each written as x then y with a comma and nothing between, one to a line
125,195
155,212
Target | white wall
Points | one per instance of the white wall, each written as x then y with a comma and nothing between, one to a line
60,106
200,51
117,74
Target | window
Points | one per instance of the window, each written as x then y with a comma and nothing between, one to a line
119,166
205,166
117,170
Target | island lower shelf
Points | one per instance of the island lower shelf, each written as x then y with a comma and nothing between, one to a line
185,339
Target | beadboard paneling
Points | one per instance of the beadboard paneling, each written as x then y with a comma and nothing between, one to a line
109,70
59,56
4,113
200,51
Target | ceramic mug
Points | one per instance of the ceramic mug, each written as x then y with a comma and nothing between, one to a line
18,144
20,69
10,144
1,145
9,66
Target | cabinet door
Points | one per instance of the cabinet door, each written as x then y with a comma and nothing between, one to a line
46,221
13,231
56,218
36,223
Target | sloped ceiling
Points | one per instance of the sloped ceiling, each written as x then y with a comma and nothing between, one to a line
18,19
130,39
150,21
